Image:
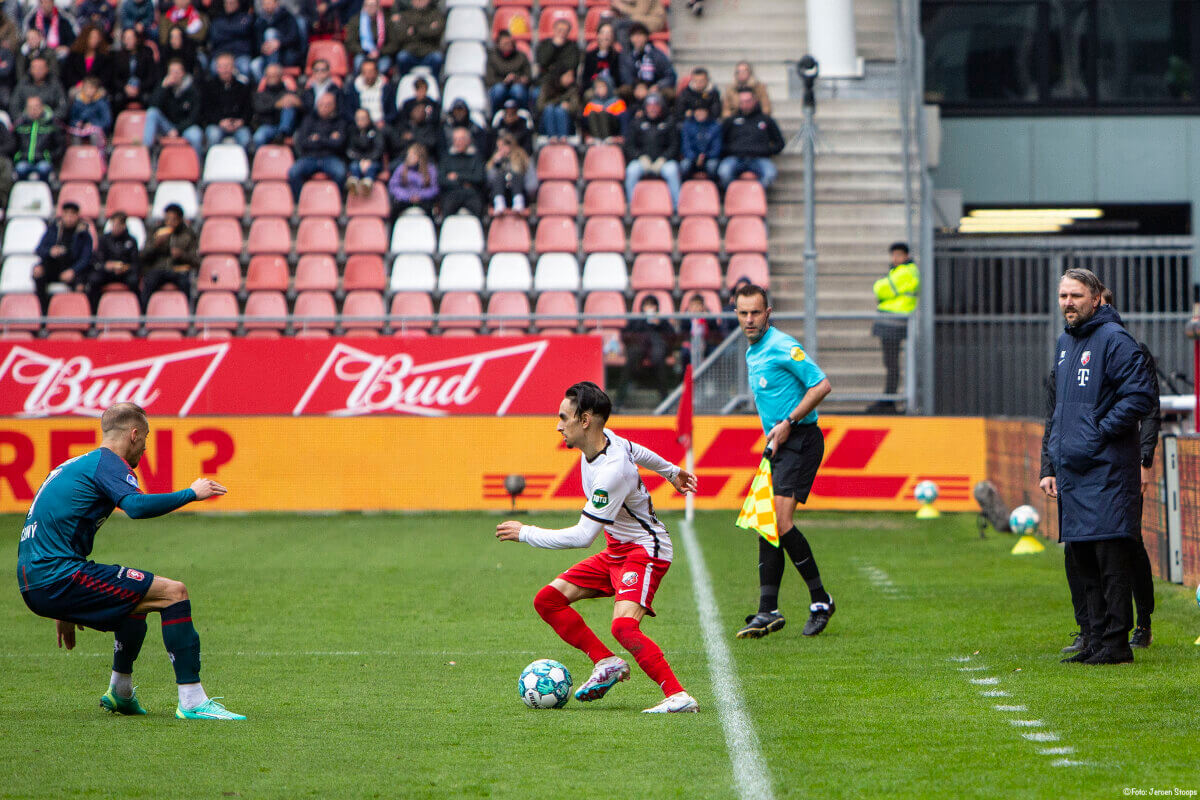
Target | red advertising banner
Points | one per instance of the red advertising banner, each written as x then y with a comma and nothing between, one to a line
419,376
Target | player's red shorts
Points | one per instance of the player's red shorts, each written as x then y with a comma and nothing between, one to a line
633,575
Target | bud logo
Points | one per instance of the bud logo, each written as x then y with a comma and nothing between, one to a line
599,498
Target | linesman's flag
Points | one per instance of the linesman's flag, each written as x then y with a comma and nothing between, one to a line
758,512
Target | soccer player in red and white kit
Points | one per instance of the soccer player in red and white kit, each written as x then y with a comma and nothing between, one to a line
629,569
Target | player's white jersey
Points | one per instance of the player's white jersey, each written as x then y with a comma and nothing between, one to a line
618,499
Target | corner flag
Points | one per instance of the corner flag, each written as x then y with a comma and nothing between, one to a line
758,512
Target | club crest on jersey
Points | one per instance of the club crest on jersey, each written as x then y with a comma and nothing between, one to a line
629,578
131,479
798,354
134,575
762,383
599,498
1086,357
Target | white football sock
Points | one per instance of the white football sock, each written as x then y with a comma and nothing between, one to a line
191,695
122,685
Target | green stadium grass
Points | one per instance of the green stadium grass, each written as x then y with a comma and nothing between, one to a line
377,656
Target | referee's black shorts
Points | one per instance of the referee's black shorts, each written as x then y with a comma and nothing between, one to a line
794,466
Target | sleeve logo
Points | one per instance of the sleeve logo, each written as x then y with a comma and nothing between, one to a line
599,498
798,354
131,480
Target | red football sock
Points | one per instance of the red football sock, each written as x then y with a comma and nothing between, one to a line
648,655
552,606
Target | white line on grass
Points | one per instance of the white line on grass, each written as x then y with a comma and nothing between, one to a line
750,774
1056,751
1040,736
994,693
1027,723
985,681
1010,708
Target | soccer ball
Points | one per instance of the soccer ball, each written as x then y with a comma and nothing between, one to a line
926,492
1023,520
545,684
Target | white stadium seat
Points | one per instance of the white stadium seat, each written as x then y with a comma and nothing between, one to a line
412,272
17,274
181,192
470,89
509,272
22,234
461,272
556,272
461,233
465,58
226,163
30,199
605,272
413,233
467,24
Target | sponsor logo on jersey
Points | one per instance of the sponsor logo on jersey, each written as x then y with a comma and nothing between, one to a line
1084,375
762,383
798,354
134,575
1086,357
629,578
29,531
600,498
131,479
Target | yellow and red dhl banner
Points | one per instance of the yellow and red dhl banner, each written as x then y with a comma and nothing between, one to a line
406,463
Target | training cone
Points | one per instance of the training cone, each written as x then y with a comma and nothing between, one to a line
1026,545
928,512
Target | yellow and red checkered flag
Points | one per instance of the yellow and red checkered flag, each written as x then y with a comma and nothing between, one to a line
758,512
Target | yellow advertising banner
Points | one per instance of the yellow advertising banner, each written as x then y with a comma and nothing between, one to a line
411,463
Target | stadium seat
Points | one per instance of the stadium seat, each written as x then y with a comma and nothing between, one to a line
357,312
745,235
605,272
666,305
129,197
20,311
129,127
316,272
469,89
508,304
516,20
117,311
129,162
745,198
106,334
30,199
178,162
167,310
412,272
521,3
551,15
364,236
405,90
592,20
460,304
461,233
319,198
700,271
461,272
509,272
17,273
557,235
375,204
222,235
603,235
411,304
413,233
315,235
216,313
332,51
219,274
699,235
226,163
465,58
267,273
268,199
509,234
229,200
264,314
68,305
599,304
752,266
182,193
22,234
557,198
270,236
271,163
466,24
556,303
558,162
652,271
698,198
604,199
364,271
650,235
314,311
137,229
604,162
650,199
82,162
83,194
712,301
556,272
467,3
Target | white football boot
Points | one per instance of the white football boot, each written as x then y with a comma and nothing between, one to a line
680,702
607,674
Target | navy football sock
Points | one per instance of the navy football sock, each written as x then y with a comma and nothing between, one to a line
182,641
128,643
770,574
801,554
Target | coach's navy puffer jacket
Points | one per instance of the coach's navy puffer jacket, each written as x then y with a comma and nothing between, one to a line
1102,390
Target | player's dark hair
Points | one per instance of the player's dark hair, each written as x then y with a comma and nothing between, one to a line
751,290
122,417
1087,278
902,246
588,397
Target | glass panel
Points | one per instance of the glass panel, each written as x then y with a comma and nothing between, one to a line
1145,50
981,53
1070,49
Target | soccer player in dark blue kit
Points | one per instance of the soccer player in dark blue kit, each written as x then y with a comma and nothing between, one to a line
58,581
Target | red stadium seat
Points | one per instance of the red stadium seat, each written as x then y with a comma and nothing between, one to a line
229,200
316,272
82,162
698,199
263,317
700,271
364,271
216,313
68,304
508,234
178,162
115,335
221,235
558,162
20,306
85,194
651,199
332,51
365,236
557,198
712,301
593,19
652,271
557,235
167,311
271,199
362,303
129,127
745,198
508,304
746,235
320,198
650,235
604,199
267,273
521,3
219,274
376,204
128,197
752,266
314,310
514,19
666,305
460,304
604,235
271,163
560,303
316,235
411,304
117,311
699,235
551,15
268,236
603,303
604,162
129,162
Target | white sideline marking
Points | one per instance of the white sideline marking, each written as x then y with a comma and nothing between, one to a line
985,681
1010,708
1056,751
979,668
882,581
994,693
750,775
1040,736
960,659
1066,762
1027,723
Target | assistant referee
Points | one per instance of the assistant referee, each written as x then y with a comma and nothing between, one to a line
788,386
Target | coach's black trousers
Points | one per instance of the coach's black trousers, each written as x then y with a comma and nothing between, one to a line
1104,570
1143,588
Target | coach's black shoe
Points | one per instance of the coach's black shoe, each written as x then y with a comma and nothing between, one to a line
760,624
1109,655
818,617
1141,636
1081,657
1077,645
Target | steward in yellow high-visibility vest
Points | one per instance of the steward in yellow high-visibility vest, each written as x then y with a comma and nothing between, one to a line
897,295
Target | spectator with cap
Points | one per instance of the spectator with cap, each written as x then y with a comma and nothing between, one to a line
233,32
116,260
748,140
320,145
366,91
461,176
645,69
174,108
652,149
698,92
508,72
171,255
39,143
364,151
276,108
41,83
371,35
421,29
514,120
649,14
558,98
604,110
227,107
700,145
744,78
64,254
277,37
460,117
509,176
414,181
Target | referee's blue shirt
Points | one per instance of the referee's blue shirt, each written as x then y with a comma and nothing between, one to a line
780,374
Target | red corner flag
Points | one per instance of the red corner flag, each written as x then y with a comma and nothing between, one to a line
683,422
